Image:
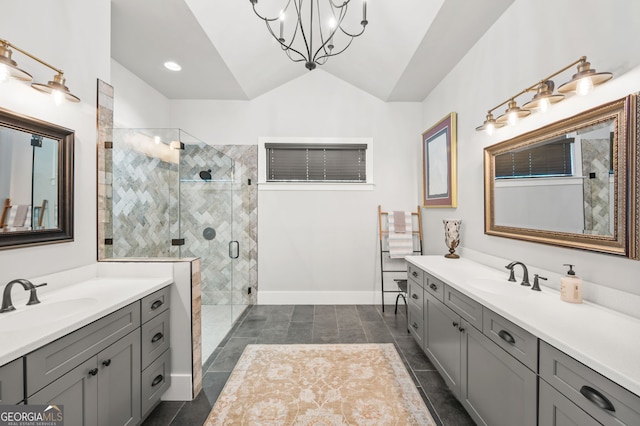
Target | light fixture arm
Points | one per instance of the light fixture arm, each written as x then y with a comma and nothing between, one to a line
535,86
35,58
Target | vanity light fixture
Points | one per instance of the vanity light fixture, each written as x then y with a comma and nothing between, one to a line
55,87
581,83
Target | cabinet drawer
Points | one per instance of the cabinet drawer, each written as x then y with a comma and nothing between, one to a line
464,306
155,338
416,323
434,286
55,359
154,304
415,274
518,342
601,398
554,409
156,379
12,382
415,294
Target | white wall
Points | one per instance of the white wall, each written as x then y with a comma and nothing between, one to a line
74,36
318,246
533,39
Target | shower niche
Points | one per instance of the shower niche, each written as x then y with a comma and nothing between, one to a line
171,195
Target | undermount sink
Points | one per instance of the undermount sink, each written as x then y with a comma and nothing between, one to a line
488,285
25,317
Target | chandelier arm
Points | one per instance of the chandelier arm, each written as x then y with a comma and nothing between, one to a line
328,55
277,18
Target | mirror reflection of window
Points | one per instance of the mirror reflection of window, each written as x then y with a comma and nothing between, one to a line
45,183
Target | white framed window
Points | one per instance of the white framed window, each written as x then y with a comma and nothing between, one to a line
315,163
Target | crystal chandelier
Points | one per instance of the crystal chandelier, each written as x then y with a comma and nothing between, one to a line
311,31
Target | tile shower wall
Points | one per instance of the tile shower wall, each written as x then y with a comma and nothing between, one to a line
597,194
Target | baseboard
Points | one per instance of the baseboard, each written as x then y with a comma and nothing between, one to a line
180,389
323,298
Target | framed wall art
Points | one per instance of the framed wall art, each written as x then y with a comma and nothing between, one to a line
439,164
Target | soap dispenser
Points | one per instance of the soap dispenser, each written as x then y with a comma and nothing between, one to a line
571,287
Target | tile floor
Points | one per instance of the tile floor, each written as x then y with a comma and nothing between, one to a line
314,324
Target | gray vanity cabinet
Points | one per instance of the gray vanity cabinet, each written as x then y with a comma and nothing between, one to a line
496,389
555,409
108,385
442,341
11,382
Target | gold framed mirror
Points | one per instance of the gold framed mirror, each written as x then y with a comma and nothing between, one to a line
565,184
36,181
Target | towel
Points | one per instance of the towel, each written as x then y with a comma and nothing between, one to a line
400,243
399,222
21,215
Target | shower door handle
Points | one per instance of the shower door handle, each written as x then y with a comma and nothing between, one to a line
231,251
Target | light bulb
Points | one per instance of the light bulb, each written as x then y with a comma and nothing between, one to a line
513,118
4,73
584,86
58,97
490,128
544,105
156,139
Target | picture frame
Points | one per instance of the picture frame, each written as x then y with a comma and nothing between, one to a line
439,164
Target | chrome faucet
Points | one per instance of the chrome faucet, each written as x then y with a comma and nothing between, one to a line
525,278
7,304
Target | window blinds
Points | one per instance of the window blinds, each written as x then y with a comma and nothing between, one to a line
291,162
553,159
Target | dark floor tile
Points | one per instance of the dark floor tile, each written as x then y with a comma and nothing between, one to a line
276,325
325,336
414,354
275,336
211,358
397,324
302,313
163,414
348,317
194,412
352,335
447,406
325,315
300,325
228,357
213,383
300,335
377,332
430,407
368,313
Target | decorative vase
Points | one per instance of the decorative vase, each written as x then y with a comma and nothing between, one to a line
452,236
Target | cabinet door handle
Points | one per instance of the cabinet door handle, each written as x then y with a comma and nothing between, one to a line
433,287
93,371
157,380
415,325
507,337
106,362
155,305
461,329
597,398
455,324
414,296
157,337
415,274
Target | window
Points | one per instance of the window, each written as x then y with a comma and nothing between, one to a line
552,159
294,162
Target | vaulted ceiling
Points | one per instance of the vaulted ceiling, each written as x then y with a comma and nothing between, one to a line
226,52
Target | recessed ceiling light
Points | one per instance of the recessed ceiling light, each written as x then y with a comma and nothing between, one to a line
170,65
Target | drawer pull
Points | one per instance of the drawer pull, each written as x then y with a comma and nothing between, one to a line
415,274
155,305
507,337
455,324
157,337
106,362
93,371
461,329
597,398
433,287
414,296
414,325
157,380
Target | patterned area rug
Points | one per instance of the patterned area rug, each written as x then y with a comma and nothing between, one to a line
362,384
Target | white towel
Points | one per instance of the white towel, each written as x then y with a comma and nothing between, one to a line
401,244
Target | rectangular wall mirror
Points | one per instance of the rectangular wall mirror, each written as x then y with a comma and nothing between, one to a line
36,181
564,184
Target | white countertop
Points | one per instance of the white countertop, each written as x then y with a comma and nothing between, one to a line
604,340
67,309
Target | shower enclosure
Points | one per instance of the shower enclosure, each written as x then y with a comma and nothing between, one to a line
174,196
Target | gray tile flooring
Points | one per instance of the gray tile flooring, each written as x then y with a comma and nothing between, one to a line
315,324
